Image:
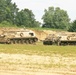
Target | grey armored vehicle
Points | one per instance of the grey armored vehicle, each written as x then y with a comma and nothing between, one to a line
18,37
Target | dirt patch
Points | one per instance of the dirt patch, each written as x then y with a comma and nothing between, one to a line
21,64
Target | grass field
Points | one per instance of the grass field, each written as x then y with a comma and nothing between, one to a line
22,59
38,49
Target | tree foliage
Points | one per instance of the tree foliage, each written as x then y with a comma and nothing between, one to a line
8,10
73,27
55,18
26,17
10,13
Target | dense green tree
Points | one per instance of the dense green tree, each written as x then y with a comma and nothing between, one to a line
2,10
73,27
48,17
26,18
55,18
8,11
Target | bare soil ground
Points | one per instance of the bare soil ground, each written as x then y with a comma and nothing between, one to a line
21,64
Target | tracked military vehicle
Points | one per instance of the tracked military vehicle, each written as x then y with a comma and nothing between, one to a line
18,37
50,40
67,40
60,39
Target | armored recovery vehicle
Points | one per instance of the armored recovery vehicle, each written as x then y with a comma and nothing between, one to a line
60,40
67,40
18,37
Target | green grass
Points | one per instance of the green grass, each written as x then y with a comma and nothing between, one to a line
53,29
36,28
38,49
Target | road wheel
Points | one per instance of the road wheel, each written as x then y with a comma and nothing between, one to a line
8,41
27,41
31,41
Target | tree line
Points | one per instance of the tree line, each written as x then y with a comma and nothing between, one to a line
10,15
